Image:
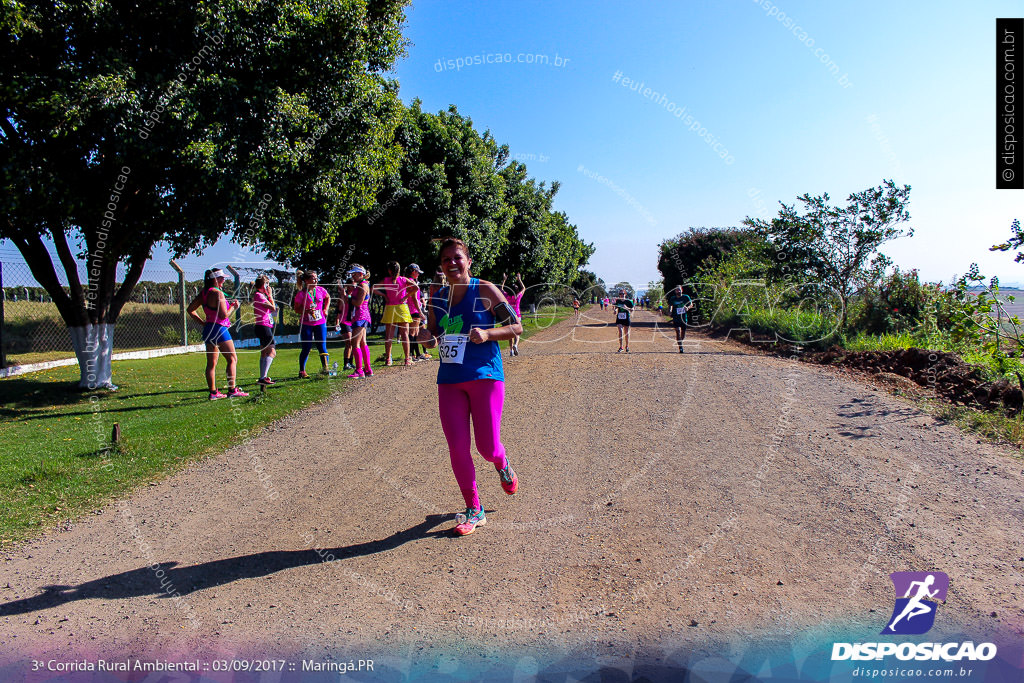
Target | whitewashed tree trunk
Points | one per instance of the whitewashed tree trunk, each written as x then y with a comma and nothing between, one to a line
94,345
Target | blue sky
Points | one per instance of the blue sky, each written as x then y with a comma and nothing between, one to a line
912,100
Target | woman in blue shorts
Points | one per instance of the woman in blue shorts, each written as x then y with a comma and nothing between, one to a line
217,332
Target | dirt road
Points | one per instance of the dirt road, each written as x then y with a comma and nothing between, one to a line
666,500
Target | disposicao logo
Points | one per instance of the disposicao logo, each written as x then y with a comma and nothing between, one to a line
917,598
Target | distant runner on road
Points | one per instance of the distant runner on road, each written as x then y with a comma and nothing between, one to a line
623,314
678,305
514,300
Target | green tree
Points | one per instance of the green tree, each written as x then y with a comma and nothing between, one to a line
127,124
589,286
456,181
836,246
682,256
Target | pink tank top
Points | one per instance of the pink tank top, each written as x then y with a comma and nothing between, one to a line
313,306
363,312
261,309
211,313
394,290
514,301
415,297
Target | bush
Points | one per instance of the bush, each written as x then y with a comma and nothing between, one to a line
897,303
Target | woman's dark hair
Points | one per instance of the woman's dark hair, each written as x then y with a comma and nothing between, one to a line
209,280
393,268
452,242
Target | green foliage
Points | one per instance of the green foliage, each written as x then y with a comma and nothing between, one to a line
455,181
1016,241
733,293
895,303
683,256
981,320
656,291
273,121
832,245
588,286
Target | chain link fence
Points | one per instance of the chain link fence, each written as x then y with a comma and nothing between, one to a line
32,330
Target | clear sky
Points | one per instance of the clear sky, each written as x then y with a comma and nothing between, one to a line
913,100
918,108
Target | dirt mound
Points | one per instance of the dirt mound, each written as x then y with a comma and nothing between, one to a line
944,372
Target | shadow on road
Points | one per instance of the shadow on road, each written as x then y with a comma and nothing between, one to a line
185,580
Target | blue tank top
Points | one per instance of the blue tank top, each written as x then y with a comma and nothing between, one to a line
482,361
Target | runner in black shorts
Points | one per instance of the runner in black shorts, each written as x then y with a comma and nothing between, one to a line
678,306
623,312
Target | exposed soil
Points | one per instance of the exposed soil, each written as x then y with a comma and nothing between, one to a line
945,373
667,500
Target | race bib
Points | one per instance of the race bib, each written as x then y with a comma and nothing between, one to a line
452,349
315,315
622,315
680,310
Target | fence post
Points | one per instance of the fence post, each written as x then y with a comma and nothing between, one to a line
3,358
237,294
181,304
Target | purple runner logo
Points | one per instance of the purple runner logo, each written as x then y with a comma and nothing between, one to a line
917,598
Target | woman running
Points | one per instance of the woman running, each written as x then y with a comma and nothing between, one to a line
263,307
514,301
396,290
343,322
623,313
312,303
576,308
678,305
216,332
360,322
470,378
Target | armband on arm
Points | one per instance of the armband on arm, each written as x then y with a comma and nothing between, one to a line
505,314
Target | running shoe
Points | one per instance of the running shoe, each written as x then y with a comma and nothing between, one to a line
236,393
627,349
265,381
214,395
620,350
426,356
509,480
302,374
468,522
356,375
349,366
368,372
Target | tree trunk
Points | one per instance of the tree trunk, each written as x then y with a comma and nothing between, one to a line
94,346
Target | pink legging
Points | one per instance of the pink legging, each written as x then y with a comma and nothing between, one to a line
482,399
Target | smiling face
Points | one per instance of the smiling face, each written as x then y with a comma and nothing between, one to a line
455,264
311,279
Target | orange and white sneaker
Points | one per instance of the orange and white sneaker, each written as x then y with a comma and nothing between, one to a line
466,523
509,480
